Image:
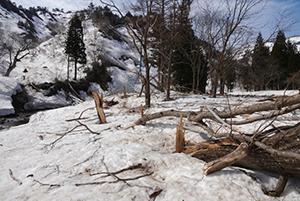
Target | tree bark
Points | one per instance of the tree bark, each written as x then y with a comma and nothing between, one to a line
276,150
278,107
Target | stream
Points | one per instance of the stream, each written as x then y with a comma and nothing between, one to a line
15,120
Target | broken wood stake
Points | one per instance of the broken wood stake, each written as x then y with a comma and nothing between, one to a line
142,111
99,107
124,90
179,144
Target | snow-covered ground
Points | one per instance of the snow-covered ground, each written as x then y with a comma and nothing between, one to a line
54,159
50,158
8,87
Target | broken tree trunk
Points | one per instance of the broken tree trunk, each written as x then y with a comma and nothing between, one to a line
220,154
179,143
99,107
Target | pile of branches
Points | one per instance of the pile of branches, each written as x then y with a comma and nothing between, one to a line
271,148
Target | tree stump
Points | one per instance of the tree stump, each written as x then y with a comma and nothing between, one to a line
99,107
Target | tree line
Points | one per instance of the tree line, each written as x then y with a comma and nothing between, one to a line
271,68
191,52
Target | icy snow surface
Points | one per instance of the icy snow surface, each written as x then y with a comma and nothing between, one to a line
51,156
8,87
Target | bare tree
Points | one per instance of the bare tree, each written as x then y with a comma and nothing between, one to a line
225,27
166,34
139,30
16,48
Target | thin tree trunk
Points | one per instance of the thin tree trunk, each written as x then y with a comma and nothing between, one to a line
75,73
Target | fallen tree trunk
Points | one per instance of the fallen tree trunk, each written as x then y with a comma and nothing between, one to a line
278,107
219,154
276,150
266,106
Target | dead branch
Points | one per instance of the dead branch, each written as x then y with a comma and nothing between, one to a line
125,180
79,118
50,185
52,144
84,125
111,102
143,79
280,106
149,117
268,116
132,167
75,92
14,178
266,106
225,161
114,175
269,149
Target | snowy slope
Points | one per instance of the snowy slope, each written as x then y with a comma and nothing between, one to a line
11,17
8,87
52,159
67,5
47,62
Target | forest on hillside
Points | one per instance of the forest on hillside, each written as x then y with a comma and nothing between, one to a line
207,52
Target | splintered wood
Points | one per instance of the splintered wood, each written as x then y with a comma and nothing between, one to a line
179,144
99,107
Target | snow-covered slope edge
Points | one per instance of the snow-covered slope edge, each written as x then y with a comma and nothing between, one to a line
8,87
34,23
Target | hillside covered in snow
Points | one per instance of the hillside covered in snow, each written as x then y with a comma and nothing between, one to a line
63,152
46,61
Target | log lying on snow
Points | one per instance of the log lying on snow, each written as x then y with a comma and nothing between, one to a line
222,153
276,150
281,105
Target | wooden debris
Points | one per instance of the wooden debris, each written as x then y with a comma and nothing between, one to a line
229,159
179,144
142,110
14,178
124,91
276,150
99,107
112,102
155,194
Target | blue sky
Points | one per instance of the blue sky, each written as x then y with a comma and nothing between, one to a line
292,13
272,10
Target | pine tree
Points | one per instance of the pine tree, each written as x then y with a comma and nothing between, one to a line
293,58
261,72
189,65
75,47
280,55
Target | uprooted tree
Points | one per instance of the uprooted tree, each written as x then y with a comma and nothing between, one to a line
271,148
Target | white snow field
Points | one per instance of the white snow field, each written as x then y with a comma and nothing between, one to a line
50,158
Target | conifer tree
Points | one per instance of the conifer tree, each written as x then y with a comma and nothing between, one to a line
293,58
261,72
280,55
75,47
189,65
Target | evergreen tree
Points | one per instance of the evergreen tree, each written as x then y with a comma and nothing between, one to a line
189,64
280,55
293,59
293,66
260,72
75,47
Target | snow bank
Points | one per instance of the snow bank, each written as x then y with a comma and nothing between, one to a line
8,87
52,156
